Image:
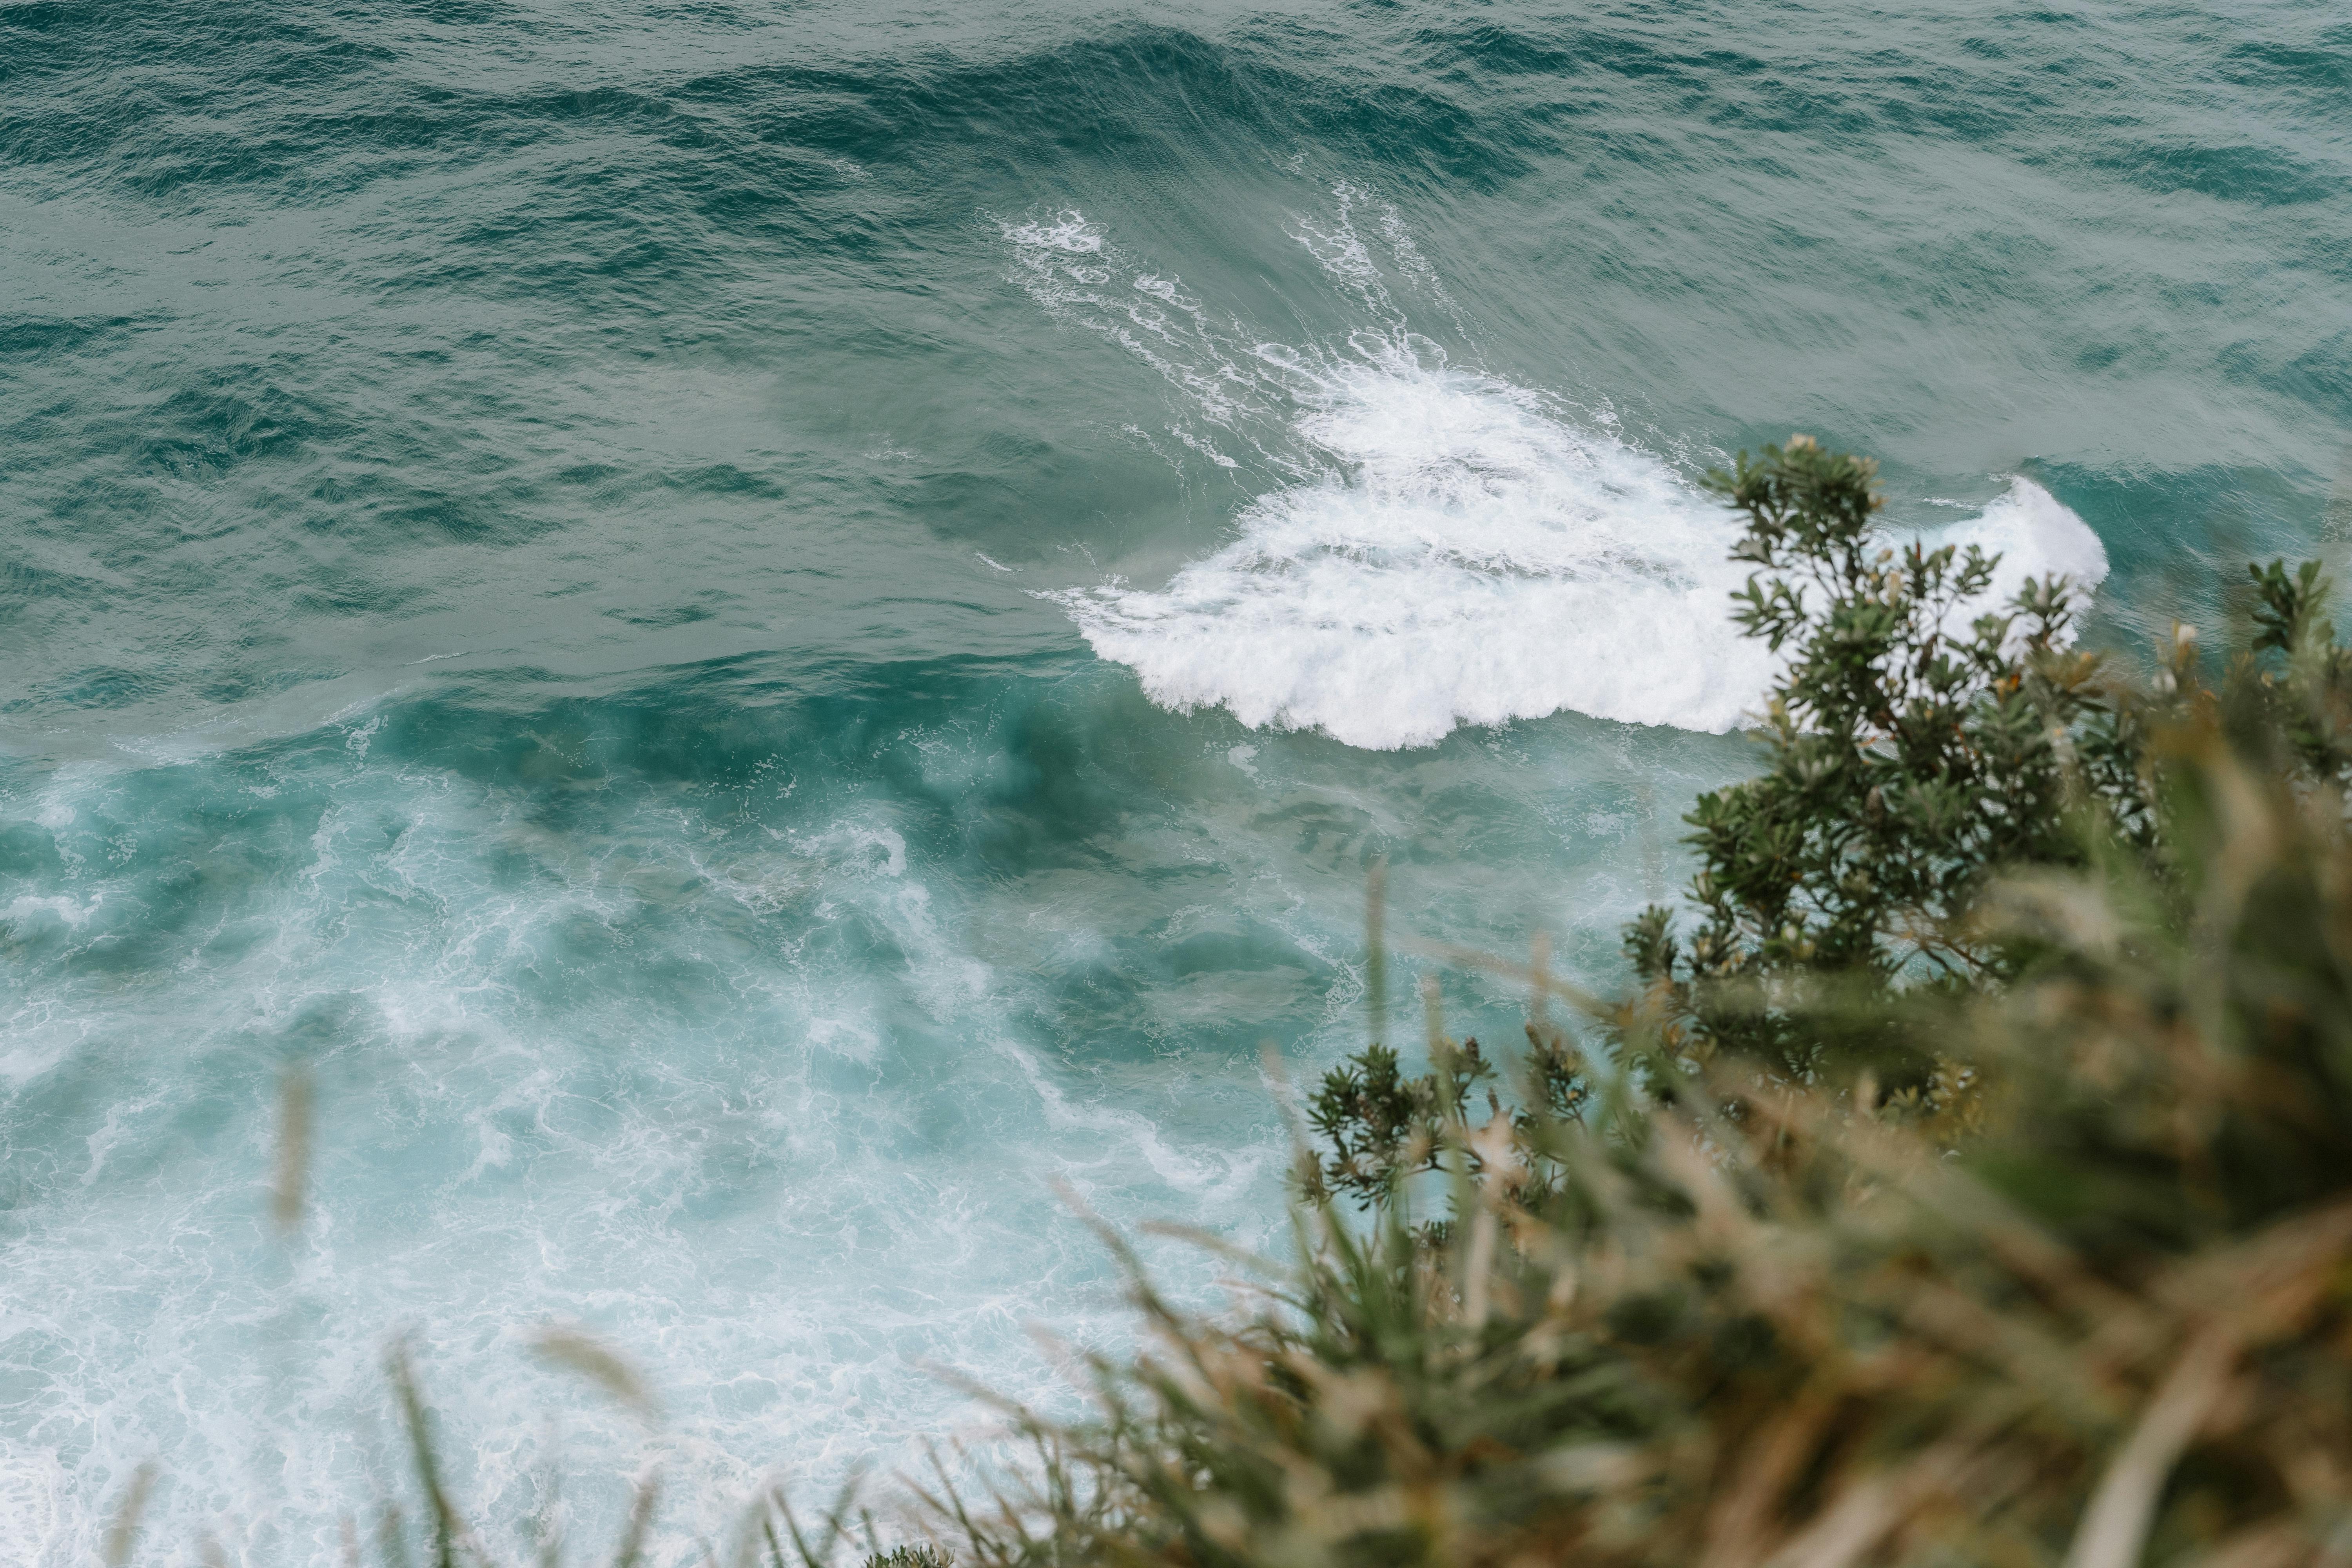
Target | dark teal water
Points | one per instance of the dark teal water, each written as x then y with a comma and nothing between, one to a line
762,630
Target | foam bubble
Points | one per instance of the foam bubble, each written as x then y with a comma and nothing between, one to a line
1065,231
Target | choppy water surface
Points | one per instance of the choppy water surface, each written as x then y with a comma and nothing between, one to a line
762,630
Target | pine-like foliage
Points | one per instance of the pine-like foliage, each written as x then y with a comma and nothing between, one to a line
2309,682
1916,741
1380,1126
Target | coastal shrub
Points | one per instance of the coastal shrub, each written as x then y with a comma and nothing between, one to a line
2087,1299
921,1555
1380,1126
1914,750
1917,741
1976,1186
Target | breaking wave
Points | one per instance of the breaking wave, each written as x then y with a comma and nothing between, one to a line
1447,548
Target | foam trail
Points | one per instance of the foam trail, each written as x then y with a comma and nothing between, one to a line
785,1179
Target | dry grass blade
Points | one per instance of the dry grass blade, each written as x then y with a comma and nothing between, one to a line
391,1537
293,1164
579,1350
1285,1094
447,1528
2265,1546
2272,1278
2115,1527
1738,1521
1849,1528
641,1519
545,1522
1936,1187
122,1531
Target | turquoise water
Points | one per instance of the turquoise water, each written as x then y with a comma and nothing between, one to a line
761,630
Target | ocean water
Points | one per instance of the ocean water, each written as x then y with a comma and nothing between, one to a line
773,639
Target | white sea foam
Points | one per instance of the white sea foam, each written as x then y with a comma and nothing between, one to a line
2035,535
1446,548
1071,269
783,1178
1469,559
1472,560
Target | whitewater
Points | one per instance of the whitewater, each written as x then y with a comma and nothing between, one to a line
1453,548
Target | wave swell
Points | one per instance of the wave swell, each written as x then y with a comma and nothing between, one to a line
1453,551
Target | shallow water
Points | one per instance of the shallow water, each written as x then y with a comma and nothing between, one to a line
761,631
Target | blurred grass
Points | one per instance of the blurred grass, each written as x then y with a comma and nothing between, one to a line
2084,1298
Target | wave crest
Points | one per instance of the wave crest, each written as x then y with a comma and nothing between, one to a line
1451,550
1475,562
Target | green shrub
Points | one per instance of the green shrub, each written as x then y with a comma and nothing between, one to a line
920,1556
1998,1210
1755,1320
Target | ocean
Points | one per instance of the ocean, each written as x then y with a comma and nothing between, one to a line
772,642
